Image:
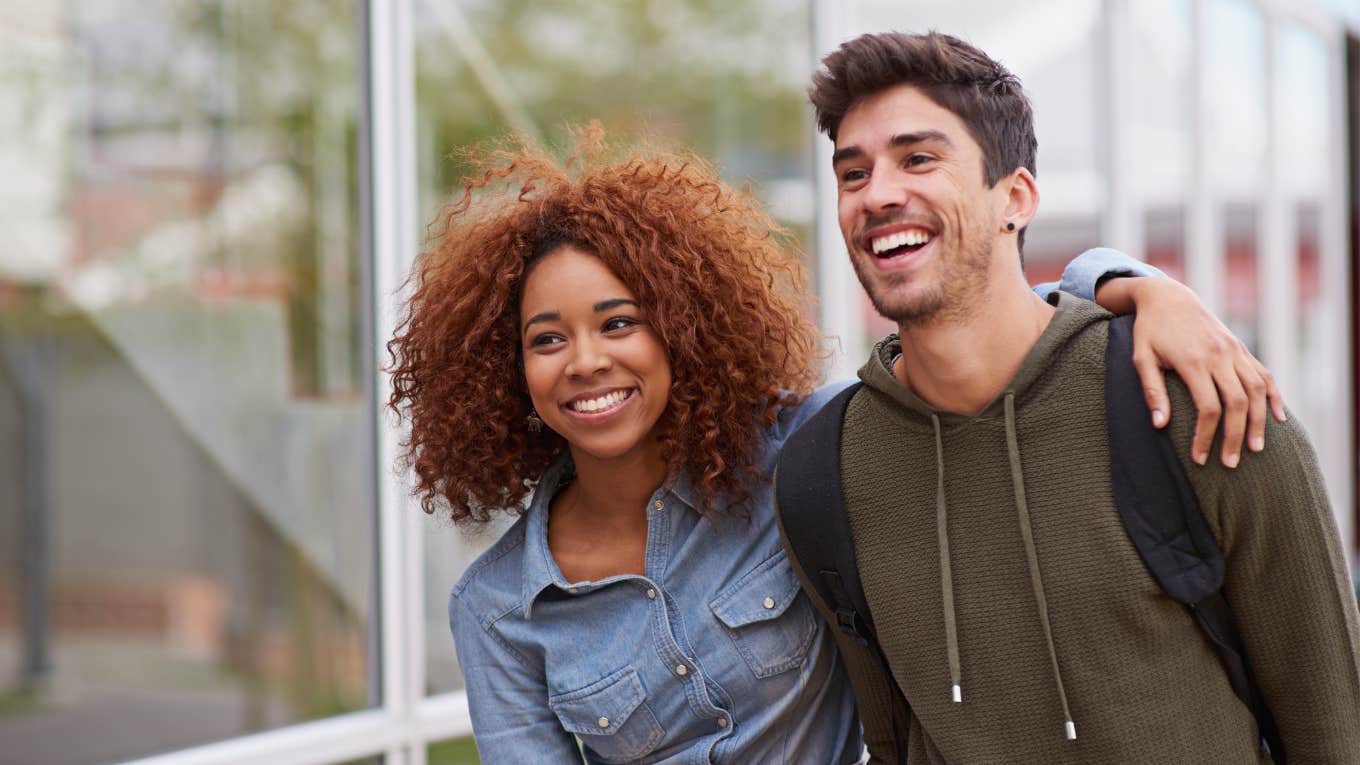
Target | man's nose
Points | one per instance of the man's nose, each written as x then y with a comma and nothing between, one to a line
886,190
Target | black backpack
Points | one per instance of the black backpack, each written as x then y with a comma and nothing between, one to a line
1155,501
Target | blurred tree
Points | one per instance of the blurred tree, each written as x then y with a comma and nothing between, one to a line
724,77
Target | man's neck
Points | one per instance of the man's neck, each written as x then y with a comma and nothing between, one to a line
962,364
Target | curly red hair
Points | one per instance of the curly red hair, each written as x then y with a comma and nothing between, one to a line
715,276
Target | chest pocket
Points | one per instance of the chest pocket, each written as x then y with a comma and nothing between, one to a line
768,617
611,717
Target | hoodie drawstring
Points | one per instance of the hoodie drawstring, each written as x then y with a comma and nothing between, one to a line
1036,579
951,634
1031,555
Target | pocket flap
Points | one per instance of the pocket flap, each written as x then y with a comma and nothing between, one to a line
763,593
601,708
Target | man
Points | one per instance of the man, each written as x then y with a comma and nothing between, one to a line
1015,615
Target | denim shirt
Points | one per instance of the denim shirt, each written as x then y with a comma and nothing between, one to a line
713,656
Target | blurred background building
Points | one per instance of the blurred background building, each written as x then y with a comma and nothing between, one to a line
208,206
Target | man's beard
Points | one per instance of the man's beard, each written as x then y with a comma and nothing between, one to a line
947,300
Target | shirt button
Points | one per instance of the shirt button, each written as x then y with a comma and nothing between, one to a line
651,594
768,602
722,722
659,504
681,670
603,722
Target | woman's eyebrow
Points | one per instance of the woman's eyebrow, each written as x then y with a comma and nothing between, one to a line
605,305
545,316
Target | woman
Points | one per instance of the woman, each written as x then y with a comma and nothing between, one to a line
623,345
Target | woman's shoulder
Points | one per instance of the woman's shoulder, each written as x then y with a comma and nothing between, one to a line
493,581
790,418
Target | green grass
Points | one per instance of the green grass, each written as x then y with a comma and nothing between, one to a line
23,702
460,751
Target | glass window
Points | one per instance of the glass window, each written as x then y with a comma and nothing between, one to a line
1236,150
1304,85
187,514
1160,136
484,68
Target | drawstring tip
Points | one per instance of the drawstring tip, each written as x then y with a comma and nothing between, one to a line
1071,731
958,694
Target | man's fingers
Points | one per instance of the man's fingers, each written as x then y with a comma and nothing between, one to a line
1154,387
1235,408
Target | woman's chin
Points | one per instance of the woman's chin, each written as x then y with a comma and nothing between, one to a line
613,448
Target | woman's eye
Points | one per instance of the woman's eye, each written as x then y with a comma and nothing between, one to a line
618,322
543,340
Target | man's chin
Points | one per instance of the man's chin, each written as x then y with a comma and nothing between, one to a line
906,309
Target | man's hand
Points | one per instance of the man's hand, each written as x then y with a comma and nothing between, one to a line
1175,331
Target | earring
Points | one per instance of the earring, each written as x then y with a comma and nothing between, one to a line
533,420
1010,225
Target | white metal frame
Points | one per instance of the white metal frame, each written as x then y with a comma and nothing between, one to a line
407,721
841,315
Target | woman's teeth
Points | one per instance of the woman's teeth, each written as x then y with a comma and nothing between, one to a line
599,404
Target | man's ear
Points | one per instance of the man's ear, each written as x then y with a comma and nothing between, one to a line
1022,199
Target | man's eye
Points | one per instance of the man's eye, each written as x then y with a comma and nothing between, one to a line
618,322
852,176
916,160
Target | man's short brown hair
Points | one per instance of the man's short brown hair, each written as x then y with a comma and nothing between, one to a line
952,73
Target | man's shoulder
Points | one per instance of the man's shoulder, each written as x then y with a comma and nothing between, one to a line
1287,443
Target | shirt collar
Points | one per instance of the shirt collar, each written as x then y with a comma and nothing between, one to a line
540,570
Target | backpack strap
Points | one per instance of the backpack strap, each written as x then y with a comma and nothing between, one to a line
1162,518
811,510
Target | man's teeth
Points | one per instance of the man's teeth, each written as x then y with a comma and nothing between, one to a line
901,238
601,403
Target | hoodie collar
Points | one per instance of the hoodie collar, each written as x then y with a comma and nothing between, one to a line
1072,315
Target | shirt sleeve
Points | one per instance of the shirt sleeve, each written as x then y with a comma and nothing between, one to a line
1088,270
1287,583
508,701
790,418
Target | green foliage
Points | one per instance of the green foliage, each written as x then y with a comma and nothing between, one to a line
720,77
25,701
460,751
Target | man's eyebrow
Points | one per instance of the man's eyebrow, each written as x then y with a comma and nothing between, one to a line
907,139
897,141
605,305
545,316
849,152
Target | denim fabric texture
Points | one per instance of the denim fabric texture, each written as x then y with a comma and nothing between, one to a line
714,656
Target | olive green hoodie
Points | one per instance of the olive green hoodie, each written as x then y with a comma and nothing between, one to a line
994,562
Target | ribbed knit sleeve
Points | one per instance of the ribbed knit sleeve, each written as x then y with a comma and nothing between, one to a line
1287,584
